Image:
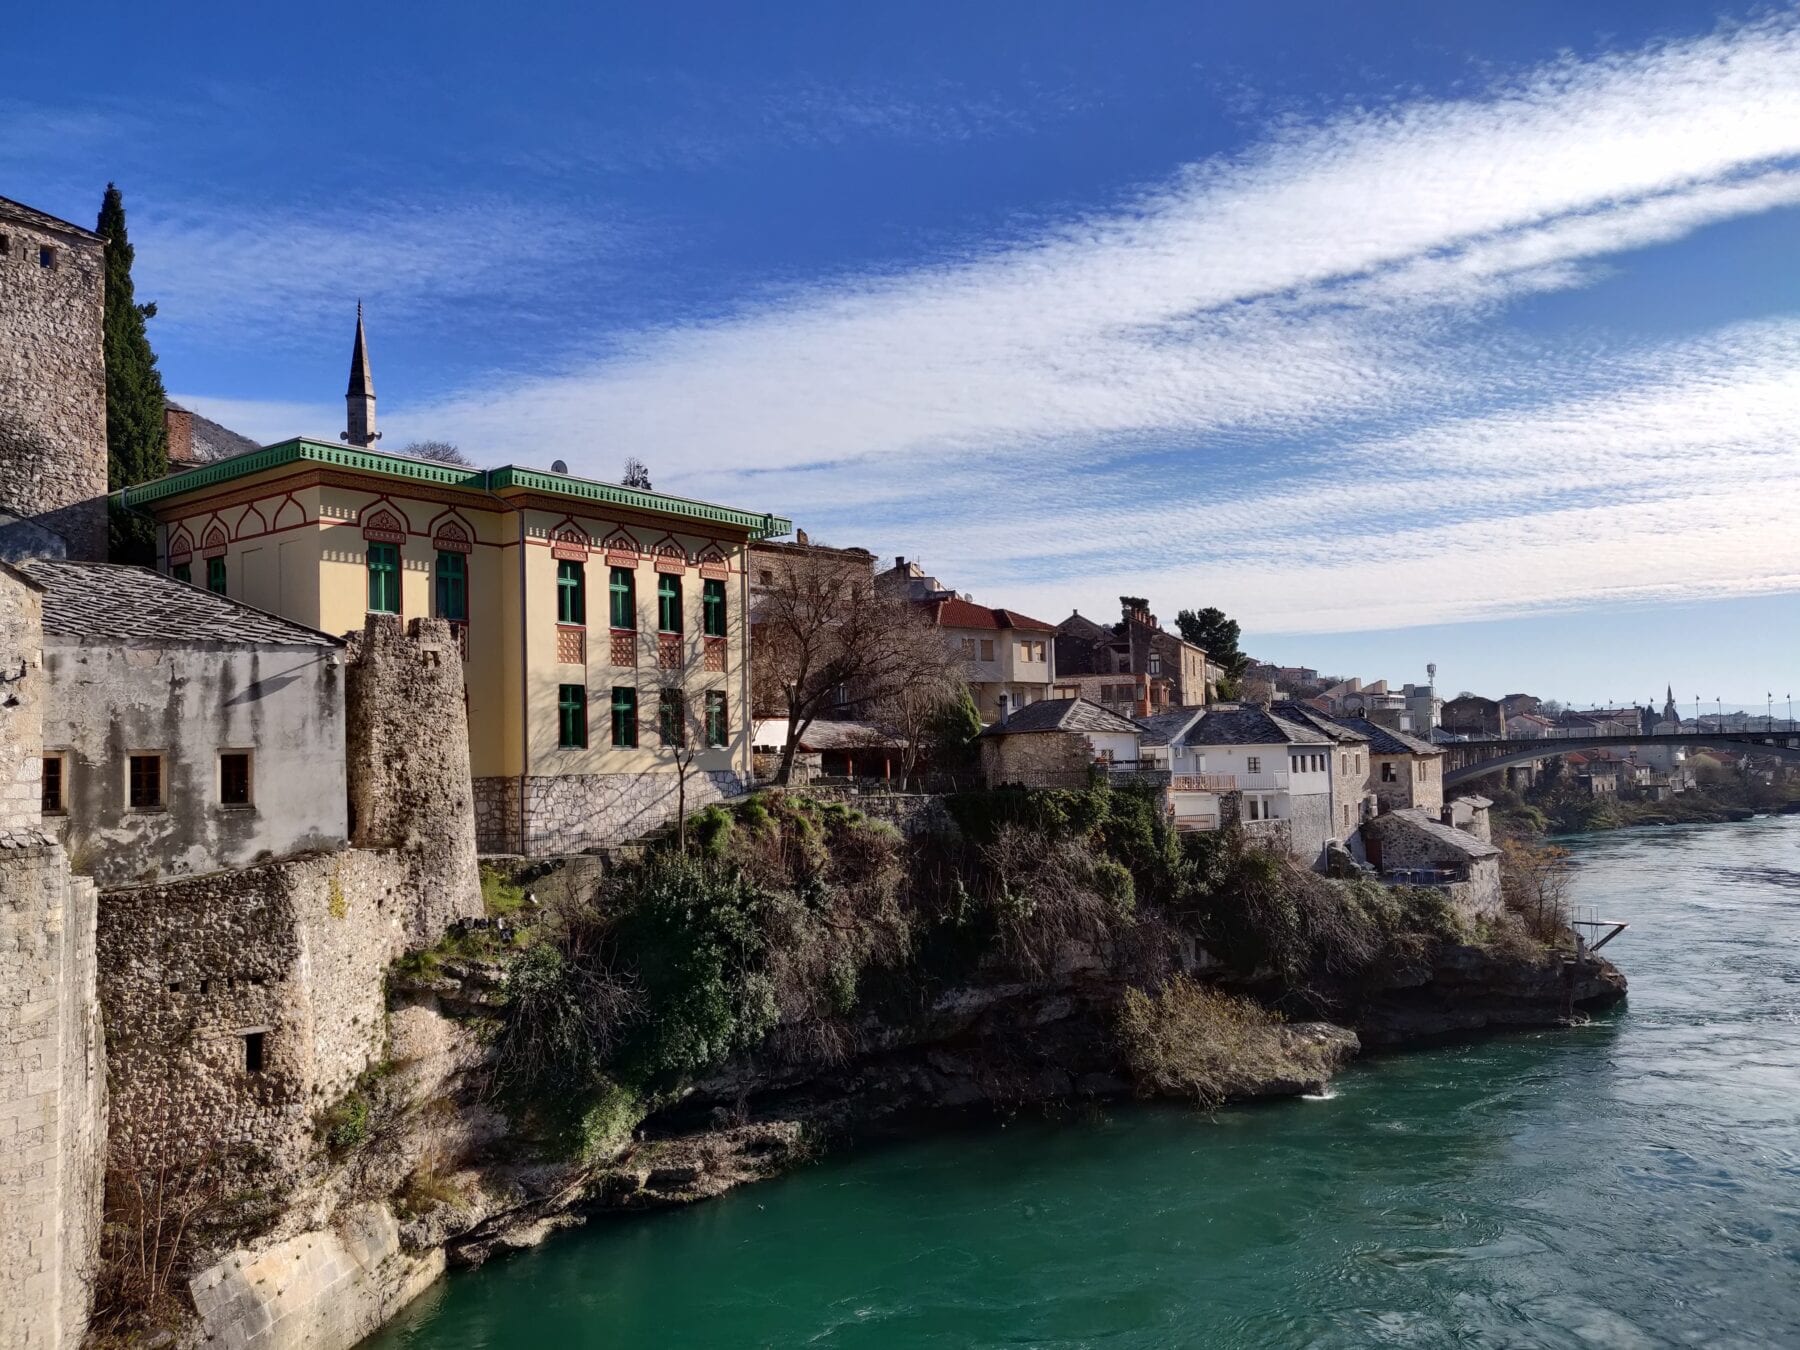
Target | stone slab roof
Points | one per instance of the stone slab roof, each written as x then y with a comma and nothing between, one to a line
1250,726
1385,742
1445,838
1064,714
110,603
1163,728
1318,721
30,215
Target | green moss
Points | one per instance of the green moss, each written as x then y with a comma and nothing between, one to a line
335,903
606,1125
499,895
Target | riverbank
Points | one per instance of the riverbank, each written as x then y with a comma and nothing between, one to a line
1566,812
805,980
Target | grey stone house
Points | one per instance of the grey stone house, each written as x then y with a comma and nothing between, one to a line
183,732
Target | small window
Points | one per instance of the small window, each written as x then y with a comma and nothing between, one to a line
452,576
624,718
766,577
623,590
384,579
234,778
717,729
671,718
183,572
571,717
54,791
145,782
712,608
253,1052
46,257
968,649
987,649
215,575
1387,772
1252,764
571,592
5,244
668,604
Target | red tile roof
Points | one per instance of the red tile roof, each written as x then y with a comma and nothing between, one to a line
957,613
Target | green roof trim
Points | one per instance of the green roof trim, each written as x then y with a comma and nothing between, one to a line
490,482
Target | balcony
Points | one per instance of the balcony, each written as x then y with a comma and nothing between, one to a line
668,651
624,648
459,629
571,645
1203,782
715,654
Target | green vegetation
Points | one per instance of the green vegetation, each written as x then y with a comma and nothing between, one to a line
500,895
1557,804
349,1122
1189,1040
137,444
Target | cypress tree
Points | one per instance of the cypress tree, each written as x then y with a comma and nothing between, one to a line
137,443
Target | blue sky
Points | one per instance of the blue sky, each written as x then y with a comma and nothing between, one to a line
1404,332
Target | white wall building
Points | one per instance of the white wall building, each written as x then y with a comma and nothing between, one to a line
1280,769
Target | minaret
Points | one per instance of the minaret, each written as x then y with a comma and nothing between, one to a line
1669,712
359,398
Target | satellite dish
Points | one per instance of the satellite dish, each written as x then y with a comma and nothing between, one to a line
558,466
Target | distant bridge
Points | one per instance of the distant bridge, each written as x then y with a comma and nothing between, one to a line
1468,760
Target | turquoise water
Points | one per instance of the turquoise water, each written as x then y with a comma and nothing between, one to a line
1635,1182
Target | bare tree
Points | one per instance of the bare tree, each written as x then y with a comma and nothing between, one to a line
824,639
912,712
683,733
444,452
1534,881
637,475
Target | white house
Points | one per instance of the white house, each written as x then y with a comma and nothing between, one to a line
1280,769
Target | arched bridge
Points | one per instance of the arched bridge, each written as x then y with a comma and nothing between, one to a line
1468,760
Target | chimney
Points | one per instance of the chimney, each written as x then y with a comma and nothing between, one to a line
178,423
899,562
1143,695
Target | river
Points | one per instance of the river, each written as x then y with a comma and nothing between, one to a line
1634,1182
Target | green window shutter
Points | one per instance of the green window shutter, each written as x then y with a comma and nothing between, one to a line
571,717
571,592
668,604
624,717
717,725
183,572
215,575
384,579
452,587
624,600
712,607
671,718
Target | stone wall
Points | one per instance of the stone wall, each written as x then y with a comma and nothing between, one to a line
21,700
497,821
293,953
52,388
407,763
1043,759
1309,826
577,812
52,1097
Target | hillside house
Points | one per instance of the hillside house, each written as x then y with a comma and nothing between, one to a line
1178,672
1009,658
1274,771
183,732
1404,771
1057,743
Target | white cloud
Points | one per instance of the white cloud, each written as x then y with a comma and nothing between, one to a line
1275,382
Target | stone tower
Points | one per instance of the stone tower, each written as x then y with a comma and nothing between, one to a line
359,398
52,387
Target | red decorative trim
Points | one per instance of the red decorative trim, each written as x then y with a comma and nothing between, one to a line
717,571
452,538
623,545
671,566
614,558
215,544
181,547
384,527
239,532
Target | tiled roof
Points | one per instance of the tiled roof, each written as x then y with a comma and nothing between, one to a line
103,602
1250,726
958,613
1385,742
1064,714
1310,717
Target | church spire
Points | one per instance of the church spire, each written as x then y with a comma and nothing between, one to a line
359,398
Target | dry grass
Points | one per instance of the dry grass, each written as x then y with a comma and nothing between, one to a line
1191,1040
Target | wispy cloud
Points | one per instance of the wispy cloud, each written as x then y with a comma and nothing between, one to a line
1277,380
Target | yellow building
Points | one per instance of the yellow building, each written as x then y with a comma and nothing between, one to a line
603,628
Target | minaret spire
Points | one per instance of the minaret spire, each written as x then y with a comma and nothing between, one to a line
359,398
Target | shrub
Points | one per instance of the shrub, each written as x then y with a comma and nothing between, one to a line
1190,1040
499,893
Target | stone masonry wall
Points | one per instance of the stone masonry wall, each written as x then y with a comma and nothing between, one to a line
52,1097
1045,759
575,813
497,815
21,701
52,388
292,951
407,763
